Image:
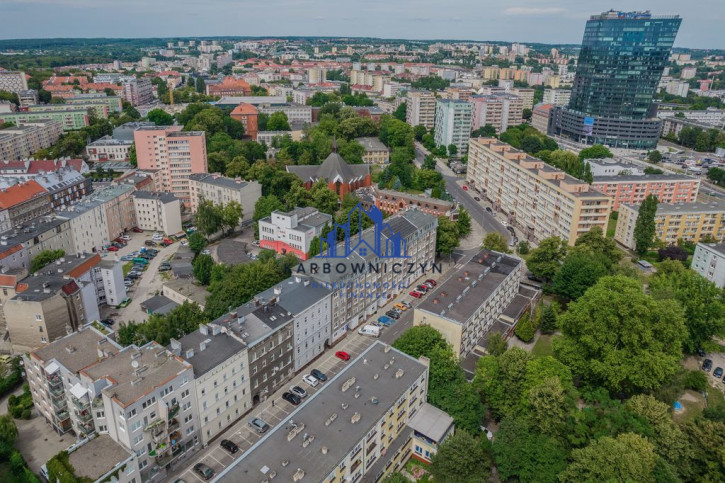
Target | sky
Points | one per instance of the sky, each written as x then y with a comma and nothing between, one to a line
545,21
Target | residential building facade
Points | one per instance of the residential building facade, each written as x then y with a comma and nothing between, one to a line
633,189
499,110
709,262
25,139
293,231
138,91
539,199
453,124
157,211
109,149
221,190
23,202
375,151
13,81
420,108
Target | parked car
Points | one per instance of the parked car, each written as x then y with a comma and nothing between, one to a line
422,288
432,282
416,294
319,375
385,320
229,446
136,229
204,471
259,425
465,188
477,198
205,252
401,307
488,208
164,268
127,258
407,304
128,283
150,243
298,391
125,238
392,314
369,330
707,365
112,249
310,380
184,243
168,240
292,398
717,373
342,355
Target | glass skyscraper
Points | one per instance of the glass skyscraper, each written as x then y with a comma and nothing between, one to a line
620,64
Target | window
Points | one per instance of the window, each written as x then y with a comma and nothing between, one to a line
132,413
135,426
138,439
38,317
189,430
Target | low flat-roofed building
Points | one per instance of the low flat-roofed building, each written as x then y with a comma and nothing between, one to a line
375,151
21,244
349,429
431,426
686,221
465,306
101,458
108,149
292,231
182,290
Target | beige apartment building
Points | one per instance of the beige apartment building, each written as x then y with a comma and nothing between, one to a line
540,200
221,190
421,108
499,110
686,221
375,151
157,211
20,142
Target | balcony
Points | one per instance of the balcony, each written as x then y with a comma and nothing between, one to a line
54,380
61,416
155,427
173,425
59,404
173,411
84,416
56,391
81,404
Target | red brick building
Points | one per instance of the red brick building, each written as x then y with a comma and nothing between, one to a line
342,178
230,86
247,114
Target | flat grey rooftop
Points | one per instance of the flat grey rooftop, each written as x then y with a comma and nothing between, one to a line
295,296
685,208
97,457
461,295
715,247
431,421
217,180
157,195
650,178
29,230
372,144
216,349
341,435
77,350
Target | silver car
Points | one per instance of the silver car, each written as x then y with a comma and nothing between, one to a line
298,391
258,425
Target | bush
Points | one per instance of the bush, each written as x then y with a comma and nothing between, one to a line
696,380
525,329
27,414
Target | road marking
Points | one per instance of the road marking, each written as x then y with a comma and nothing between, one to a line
212,457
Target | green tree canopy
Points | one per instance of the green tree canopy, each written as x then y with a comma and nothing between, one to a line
461,459
579,272
496,241
160,117
545,261
44,258
644,228
278,122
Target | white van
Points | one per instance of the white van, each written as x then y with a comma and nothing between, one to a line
370,330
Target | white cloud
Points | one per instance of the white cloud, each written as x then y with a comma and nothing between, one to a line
533,11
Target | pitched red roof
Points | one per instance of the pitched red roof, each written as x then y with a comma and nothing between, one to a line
70,288
20,193
85,266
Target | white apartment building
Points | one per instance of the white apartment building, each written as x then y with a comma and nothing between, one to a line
27,138
13,81
709,262
138,91
157,211
221,376
678,88
453,121
88,225
111,275
316,75
420,108
499,110
221,190
526,95
108,149
540,200
296,113
557,97
292,231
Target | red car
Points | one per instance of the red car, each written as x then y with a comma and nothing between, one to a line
465,188
416,294
342,355
168,240
432,282
136,229
112,249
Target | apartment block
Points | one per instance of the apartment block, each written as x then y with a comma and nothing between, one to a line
65,185
229,86
13,81
709,262
138,91
221,376
540,200
292,231
540,117
175,153
453,120
633,189
420,108
482,297
108,149
23,140
526,94
499,110
358,296
19,245
117,201
221,190
22,203
157,211
557,97
336,435
686,221
70,117
375,151
296,113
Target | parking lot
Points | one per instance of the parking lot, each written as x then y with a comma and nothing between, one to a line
718,360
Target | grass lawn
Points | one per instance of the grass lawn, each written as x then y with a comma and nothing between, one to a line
414,467
127,268
611,227
694,403
543,347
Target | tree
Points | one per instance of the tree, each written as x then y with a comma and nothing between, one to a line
496,344
523,248
231,215
654,156
419,131
523,454
132,156
400,111
487,131
703,302
716,175
596,151
160,117
496,241
452,149
579,271
461,458
594,242
202,268
548,322
8,430
629,457
323,198
200,85
672,252
618,337
545,260
420,340
668,439
208,218
447,236
278,122
44,258
526,114
644,228
396,478
464,221
525,329
197,242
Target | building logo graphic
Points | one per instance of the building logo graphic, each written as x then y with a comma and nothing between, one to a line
381,241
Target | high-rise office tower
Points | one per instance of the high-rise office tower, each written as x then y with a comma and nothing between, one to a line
620,64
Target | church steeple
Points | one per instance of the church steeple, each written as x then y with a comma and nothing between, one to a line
334,144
